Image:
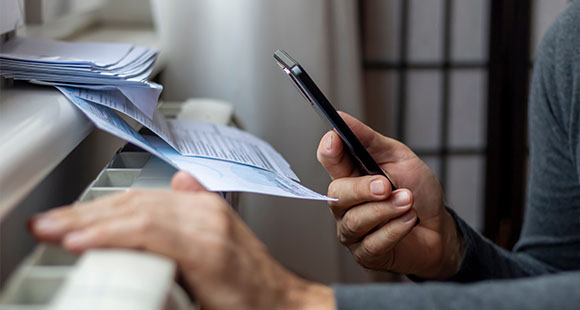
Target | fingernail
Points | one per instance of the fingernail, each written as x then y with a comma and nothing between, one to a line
77,239
378,187
328,142
47,225
409,216
401,199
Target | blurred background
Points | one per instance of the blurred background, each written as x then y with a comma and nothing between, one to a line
447,77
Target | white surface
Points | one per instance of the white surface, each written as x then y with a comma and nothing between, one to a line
117,279
207,110
61,28
11,15
39,127
123,12
40,11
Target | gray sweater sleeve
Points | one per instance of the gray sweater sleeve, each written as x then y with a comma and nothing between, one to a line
550,238
543,271
557,291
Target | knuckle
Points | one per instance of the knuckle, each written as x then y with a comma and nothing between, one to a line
131,194
334,190
223,208
123,199
222,219
389,261
359,256
361,187
390,234
320,157
145,223
370,247
377,210
350,225
340,236
100,235
213,200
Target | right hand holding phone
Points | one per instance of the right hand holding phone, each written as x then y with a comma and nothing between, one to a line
377,225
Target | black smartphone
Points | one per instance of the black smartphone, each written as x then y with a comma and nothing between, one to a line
320,103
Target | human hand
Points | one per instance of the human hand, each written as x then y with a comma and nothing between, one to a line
376,225
222,261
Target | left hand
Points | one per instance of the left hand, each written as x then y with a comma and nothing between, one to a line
223,262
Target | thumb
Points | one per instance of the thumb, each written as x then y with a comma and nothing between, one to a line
183,181
380,147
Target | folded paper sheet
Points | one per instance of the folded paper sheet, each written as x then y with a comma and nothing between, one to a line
196,138
214,174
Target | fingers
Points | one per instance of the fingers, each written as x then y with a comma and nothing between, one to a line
51,226
373,248
381,148
124,232
183,181
362,219
130,232
353,191
334,158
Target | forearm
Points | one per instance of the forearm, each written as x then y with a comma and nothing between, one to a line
546,292
484,260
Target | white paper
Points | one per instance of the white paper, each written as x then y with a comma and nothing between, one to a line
144,98
123,67
197,138
140,80
108,121
224,176
215,175
47,51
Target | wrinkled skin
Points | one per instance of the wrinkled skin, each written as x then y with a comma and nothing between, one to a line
377,225
222,261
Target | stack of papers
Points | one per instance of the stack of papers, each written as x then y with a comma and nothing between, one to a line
121,68
101,78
